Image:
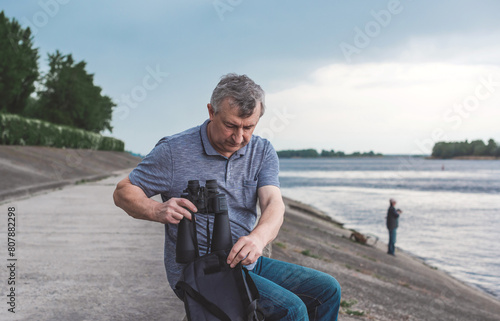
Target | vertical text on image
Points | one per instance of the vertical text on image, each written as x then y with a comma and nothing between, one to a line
11,259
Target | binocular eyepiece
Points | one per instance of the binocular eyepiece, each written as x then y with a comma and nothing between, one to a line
208,201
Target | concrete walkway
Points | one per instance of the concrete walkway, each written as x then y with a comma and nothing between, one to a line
82,258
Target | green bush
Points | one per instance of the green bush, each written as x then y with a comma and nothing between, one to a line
17,130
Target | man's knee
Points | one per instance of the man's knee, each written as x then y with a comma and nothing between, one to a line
335,286
297,311
332,289
284,306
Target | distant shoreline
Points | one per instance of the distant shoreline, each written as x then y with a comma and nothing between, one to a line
330,157
386,156
467,158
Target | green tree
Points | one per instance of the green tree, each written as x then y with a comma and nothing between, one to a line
18,65
310,153
326,153
478,148
491,148
69,96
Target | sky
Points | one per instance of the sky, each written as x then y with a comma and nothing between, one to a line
390,76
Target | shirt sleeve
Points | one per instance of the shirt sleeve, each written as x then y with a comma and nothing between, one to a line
393,212
154,173
269,171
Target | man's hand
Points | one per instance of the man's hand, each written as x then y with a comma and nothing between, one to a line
247,250
132,200
173,210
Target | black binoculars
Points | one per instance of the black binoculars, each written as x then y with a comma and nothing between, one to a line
208,201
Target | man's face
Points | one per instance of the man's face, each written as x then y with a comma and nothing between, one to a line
229,132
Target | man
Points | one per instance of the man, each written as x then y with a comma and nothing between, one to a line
392,225
246,169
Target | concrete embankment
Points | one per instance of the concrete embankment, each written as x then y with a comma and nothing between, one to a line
82,258
26,170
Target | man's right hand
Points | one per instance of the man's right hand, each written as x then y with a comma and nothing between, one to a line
173,210
134,201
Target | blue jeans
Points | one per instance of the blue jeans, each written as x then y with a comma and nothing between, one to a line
293,292
392,241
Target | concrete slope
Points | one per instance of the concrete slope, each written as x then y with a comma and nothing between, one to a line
25,170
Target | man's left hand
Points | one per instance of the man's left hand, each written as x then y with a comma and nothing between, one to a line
247,250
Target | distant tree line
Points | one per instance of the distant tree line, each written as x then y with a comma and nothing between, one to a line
64,95
457,149
313,153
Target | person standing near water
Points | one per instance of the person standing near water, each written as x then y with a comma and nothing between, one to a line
392,225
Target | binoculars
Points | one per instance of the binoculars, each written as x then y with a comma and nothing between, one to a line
208,201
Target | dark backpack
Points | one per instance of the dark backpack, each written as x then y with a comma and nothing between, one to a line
212,290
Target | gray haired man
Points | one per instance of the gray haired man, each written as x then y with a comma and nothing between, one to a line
246,168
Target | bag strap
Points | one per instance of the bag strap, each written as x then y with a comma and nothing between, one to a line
254,313
198,297
251,285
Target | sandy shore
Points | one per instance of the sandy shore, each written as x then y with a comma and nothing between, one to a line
81,258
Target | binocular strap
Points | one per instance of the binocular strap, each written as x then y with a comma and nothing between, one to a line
209,239
195,235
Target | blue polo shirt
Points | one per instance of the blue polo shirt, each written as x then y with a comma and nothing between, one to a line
190,156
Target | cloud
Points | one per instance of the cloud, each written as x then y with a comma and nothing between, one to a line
384,107
479,47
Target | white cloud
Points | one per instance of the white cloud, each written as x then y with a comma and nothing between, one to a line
385,107
479,47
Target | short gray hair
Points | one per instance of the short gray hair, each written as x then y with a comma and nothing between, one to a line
242,91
